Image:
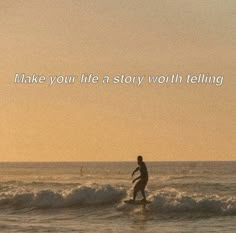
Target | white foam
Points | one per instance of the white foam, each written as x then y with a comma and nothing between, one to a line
82,195
174,201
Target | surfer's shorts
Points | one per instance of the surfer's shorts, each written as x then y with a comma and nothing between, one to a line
141,184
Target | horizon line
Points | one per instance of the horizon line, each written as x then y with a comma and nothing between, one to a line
115,161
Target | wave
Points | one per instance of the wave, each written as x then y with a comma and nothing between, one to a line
82,195
178,202
167,201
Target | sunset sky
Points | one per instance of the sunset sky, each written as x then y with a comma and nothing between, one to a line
106,122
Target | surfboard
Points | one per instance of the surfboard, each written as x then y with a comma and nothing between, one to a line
137,202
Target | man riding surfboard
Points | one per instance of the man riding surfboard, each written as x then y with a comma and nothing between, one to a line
142,179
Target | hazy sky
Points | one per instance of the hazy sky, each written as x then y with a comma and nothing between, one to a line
117,122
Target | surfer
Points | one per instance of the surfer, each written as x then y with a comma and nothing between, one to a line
143,178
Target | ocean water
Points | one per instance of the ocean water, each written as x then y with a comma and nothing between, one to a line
88,197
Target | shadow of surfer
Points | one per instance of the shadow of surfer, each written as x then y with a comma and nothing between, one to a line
142,179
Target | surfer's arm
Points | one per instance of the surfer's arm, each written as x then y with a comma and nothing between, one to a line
136,179
135,170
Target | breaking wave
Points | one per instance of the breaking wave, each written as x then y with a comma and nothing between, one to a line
178,202
81,195
165,201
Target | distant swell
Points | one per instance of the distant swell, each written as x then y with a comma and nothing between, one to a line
174,201
82,195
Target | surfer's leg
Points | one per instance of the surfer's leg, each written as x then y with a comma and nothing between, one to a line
142,189
135,192
136,189
143,194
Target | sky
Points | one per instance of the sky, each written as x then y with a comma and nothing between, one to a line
117,122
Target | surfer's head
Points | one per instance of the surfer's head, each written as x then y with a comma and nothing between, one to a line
139,159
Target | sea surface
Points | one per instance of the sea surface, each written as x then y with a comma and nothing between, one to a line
89,197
